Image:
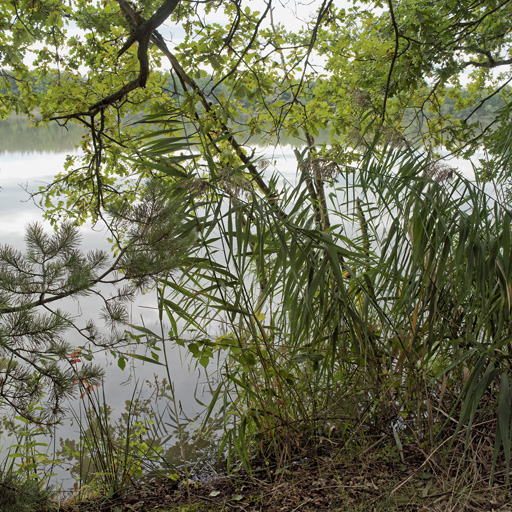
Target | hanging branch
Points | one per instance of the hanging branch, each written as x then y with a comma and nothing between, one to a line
187,81
141,32
395,55
144,31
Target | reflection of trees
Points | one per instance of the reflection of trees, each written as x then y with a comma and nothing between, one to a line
143,440
18,135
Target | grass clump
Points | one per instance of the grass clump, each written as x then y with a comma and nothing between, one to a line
370,326
19,495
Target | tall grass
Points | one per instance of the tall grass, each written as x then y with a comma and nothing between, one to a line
111,454
390,318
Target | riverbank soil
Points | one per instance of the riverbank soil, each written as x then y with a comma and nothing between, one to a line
326,482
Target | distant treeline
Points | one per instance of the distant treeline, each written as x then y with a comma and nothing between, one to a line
39,85
172,87
483,114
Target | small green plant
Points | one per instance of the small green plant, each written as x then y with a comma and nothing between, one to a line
27,467
111,455
18,495
29,454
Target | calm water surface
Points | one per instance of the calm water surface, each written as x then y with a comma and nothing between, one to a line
30,158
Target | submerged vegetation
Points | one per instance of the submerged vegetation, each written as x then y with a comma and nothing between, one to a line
359,314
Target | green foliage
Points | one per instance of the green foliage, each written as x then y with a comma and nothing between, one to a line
112,455
360,327
156,233
352,300
426,75
27,466
32,343
17,495
447,67
35,358
28,458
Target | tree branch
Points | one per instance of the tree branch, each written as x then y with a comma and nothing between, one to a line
159,42
395,55
141,33
490,63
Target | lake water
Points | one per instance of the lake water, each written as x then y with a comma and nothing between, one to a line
22,171
29,158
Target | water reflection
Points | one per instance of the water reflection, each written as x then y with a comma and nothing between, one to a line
31,169
16,135
29,154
